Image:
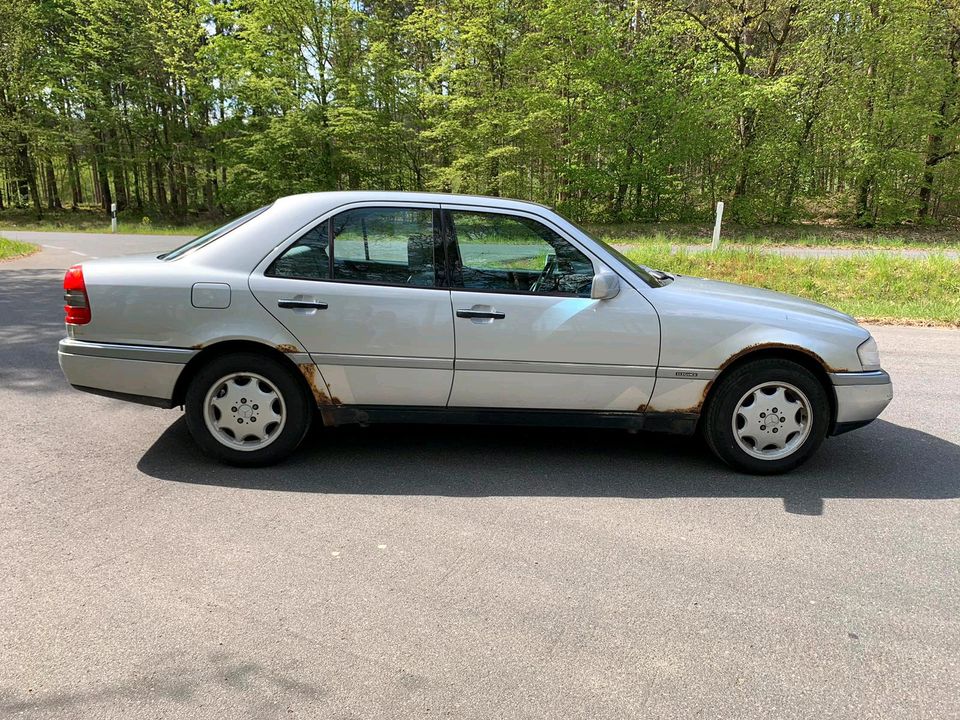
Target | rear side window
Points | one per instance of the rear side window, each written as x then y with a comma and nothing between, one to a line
385,246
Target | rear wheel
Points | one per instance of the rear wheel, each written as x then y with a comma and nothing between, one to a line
247,409
767,417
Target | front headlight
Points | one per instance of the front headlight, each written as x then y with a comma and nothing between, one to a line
869,354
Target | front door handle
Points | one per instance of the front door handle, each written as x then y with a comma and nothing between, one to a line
291,304
482,314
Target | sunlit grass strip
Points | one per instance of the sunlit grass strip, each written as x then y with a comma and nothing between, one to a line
873,287
810,241
10,249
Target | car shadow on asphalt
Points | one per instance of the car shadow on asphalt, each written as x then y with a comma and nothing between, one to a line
883,460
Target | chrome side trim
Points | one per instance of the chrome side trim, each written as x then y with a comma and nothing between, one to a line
684,373
527,366
391,361
300,358
873,377
117,351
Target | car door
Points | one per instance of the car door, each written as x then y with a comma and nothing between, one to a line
528,335
359,291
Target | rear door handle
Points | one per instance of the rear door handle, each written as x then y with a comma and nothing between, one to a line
487,314
291,304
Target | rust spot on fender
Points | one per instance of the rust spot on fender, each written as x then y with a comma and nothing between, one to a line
697,408
753,348
322,395
198,346
692,410
288,348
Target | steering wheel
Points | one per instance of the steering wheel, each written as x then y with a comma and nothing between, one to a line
548,270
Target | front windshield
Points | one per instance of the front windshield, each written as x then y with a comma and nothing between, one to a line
646,274
199,242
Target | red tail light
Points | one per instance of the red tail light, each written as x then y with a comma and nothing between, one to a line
77,304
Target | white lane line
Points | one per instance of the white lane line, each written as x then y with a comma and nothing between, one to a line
78,253
53,247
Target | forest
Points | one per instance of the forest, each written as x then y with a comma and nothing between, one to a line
608,110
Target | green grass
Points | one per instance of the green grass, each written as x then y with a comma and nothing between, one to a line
874,288
929,238
130,228
10,249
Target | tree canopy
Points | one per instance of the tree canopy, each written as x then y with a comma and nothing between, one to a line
610,110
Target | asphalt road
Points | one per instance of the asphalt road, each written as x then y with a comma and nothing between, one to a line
412,572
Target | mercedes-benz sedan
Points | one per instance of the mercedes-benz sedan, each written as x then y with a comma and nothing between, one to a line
362,307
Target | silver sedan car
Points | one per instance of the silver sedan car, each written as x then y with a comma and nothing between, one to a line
362,307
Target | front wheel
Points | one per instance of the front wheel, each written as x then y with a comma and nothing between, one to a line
767,417
247,409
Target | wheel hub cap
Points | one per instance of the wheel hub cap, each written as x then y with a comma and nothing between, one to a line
772,420
244,411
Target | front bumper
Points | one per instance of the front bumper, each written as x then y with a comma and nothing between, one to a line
143,374
861,397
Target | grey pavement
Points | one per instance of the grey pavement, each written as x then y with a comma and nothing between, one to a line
411,572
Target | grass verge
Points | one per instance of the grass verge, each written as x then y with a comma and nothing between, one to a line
798,235
126,228
10,249
872,288
93,220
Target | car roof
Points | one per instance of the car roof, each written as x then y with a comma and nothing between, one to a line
341,197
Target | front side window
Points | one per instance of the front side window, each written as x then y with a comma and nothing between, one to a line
513,253
390,246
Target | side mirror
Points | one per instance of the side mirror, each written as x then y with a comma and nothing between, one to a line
606,285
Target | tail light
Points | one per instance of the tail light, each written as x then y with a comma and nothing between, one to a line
76,303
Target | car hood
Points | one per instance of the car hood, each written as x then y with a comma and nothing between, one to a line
758,298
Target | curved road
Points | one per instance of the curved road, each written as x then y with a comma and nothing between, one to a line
412,572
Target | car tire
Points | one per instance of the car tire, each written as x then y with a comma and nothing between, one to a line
766,417
247,409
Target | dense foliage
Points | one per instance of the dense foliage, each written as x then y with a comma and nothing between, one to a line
607,109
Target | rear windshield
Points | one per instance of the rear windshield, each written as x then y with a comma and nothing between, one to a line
199,242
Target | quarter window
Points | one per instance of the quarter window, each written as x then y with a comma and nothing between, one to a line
307,258
392,246
514,253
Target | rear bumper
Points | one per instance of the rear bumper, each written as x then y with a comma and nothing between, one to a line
861,397
147,375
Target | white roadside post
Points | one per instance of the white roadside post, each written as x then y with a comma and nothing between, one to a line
716,227
113,217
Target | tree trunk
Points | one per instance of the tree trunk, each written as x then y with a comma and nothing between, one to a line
161,191
73,174
53,194
103,181
623,184
934,155
27,175
746,132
